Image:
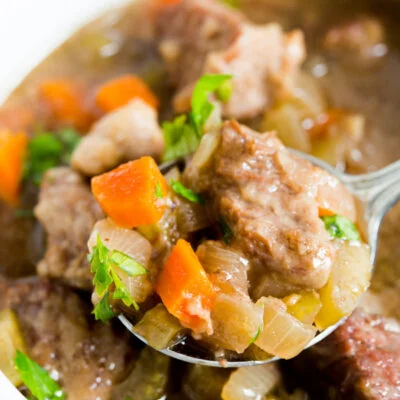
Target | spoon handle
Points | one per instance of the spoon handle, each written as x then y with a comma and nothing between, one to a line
379,191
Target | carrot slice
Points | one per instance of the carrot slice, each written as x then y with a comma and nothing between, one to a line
65,102
132,194
185,288
12,152
120,91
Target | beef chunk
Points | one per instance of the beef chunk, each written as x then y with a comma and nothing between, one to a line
360,360
198,37
125,134
270,200
68,212
87,357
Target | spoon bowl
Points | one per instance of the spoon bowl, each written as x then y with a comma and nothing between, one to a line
375,194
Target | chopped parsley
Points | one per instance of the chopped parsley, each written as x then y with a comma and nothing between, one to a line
256,336
340,227
23,213
182,136
231,3
102,311
158,192
48,150
227,234
37,379
201,106
186,193
103,263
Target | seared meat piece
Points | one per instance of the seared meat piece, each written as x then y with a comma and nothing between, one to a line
125,134
270,200
87,357
360,360
68,212
198,37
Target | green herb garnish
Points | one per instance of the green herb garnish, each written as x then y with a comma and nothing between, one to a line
103,263
158,192
341,228
201,106
256,336
231,3
37,379
227,234
102,311
23,213
187,193
48,150
182,136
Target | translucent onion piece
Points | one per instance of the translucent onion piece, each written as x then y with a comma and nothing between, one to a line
134,245
208,145
148,380
304,306
350,278
11,340
158,327
236,321
191,217
286,120
252,383
282,335
228,268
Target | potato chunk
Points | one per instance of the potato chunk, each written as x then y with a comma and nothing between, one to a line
282,335
350,278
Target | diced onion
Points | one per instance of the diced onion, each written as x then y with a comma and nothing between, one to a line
208,145
134,245
282,335
350,278
158,327
191,217
286,120
11,340
228,267
236,321
252,383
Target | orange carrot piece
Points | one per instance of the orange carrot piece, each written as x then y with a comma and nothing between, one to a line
131,194
185,288
12,152
120,91
65,102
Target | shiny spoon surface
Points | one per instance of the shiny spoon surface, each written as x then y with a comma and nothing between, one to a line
376,193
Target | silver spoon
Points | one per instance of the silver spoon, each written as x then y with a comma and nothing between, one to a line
376,194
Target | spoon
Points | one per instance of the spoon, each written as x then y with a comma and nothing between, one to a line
376,193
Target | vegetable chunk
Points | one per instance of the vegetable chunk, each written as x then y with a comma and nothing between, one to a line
185,288
350,277
129,194
11,340
12,152
120,91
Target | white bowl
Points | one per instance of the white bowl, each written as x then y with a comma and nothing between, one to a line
29,31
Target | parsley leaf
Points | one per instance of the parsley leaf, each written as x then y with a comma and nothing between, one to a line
103,263
100,267
48,150
231,3
180,138
340,227
102,311
201,107
259,330
186,193
128,264
227,234
37,379
158,192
